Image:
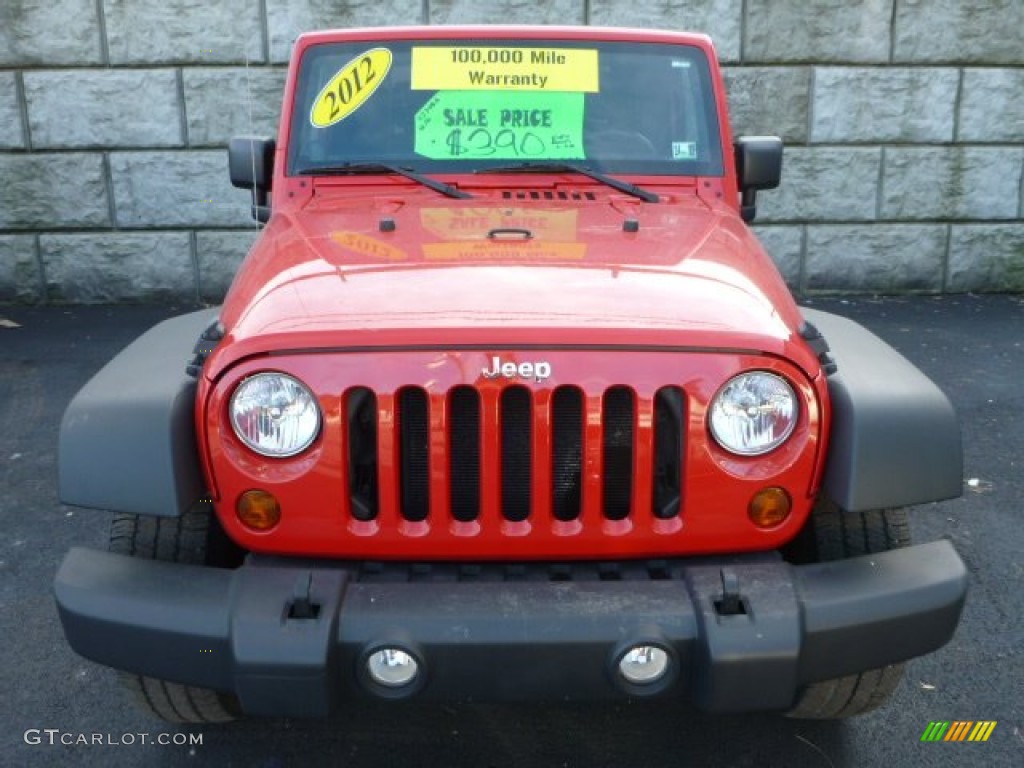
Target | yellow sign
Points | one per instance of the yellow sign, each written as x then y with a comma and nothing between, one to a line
508,69
349,89
368,246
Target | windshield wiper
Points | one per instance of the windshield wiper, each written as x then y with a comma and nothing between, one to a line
342,169
611,181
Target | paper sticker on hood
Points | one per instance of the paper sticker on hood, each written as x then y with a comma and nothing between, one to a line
474,223
513,251
369,246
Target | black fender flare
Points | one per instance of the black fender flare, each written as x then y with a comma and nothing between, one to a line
895,437
127,440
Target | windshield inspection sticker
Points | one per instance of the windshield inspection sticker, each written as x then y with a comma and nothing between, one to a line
684,150
350,87
501,125
517,69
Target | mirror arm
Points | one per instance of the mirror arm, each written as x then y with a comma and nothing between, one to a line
260,208
748,204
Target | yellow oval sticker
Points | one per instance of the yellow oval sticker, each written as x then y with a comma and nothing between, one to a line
349,89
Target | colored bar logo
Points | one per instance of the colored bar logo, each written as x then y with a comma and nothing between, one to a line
959,730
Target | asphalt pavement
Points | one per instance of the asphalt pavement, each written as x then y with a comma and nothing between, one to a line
972,346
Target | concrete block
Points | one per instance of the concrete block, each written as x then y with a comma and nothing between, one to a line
505,12
962,31
221,103
721,19
785,244
20,279
287,19
847,31
12,134
992,105
823,184
183,31
103,108
876,258
53,191
219,255
858,104
987,257
118,267
769,101
176,189
54,34
951,182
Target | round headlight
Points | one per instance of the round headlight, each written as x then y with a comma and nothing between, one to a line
275,414
753,413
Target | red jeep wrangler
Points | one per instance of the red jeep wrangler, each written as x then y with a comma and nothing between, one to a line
508,401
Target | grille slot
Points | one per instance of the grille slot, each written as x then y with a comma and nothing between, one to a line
414,447
617,459
668,452
516,453
566,452
464,447
361,406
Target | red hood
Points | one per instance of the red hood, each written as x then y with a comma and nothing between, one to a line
332,275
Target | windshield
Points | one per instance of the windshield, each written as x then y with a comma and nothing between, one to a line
461,106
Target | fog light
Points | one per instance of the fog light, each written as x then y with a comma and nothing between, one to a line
643,664
770,507
392,667
258,510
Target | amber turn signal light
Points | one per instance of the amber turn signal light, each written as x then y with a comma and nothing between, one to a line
258,510
770,507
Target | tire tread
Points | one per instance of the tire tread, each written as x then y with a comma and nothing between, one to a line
837,535
179,540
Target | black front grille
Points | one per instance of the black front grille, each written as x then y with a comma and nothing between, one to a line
463,436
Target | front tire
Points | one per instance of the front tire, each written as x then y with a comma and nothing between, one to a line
197,539
834,534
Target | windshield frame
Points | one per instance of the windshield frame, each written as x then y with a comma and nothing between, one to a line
707,117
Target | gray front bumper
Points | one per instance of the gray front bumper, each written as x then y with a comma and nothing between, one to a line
231,630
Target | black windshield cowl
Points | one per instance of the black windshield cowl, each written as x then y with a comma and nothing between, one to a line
547,167
353,169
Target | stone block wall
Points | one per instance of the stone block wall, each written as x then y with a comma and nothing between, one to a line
903,120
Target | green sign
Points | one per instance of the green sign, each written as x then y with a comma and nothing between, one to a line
501,125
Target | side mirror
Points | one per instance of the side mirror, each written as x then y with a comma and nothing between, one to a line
251,166
758,166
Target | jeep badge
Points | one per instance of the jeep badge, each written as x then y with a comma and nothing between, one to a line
539,371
